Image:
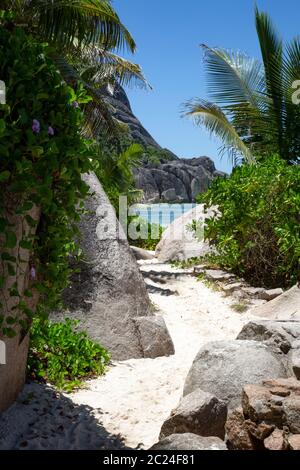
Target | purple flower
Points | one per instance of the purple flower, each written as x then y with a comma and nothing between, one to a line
50,131
32,273
36,127
75,104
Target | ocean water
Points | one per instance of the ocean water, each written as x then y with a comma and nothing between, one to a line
162,214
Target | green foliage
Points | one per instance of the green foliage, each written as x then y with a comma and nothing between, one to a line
153,233
63,356
251,106
155,155
42,157
115,171
257,235
85,37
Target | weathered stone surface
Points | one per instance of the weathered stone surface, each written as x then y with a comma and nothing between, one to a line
230,288
279,335
141,254
285,307
198,413
223,368
109,292
259,431
253,291
218,275
121,110
189,441
291,384
178,241
169,195
294,441
270,294
259,405
294,358
269,419
12,374
154,338
237,435
276,441
184,178
291,409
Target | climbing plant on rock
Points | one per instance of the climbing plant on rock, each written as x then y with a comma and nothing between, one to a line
42,156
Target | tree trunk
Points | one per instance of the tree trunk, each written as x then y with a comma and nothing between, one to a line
13,371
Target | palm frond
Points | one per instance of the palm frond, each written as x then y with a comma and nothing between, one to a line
272,53
102,66
80,22
217,123
233,77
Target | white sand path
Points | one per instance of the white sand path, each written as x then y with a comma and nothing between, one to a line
136,396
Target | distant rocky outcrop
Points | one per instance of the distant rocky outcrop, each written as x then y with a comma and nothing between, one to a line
223,368
172,180
121,110
179,180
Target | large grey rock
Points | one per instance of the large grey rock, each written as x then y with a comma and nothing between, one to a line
109,293
153,337
178,242
278,334
121,110
141,254
285,307
189,441
223,368
179,179
198,413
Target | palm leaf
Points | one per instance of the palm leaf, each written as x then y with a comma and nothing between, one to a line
233,77
216,122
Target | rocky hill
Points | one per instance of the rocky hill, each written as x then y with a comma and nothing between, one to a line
172,180
176,181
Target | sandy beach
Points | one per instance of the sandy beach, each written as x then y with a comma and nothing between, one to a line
127,406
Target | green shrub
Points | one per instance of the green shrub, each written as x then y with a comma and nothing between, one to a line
142,226
63,356
42,157
258,234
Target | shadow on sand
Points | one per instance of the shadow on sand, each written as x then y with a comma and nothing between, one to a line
44,419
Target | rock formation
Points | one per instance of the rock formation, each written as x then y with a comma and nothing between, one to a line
269,418
179,180
284,307
223,368
178,242
174,180
121,110
197,413
108,295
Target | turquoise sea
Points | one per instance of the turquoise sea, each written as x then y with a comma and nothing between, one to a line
163,214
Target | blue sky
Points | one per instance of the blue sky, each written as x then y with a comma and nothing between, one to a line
168,34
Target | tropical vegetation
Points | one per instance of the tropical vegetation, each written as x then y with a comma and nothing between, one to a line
62,355
257,235
251,108
54,59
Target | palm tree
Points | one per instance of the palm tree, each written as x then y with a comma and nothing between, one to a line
251,108
85,36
